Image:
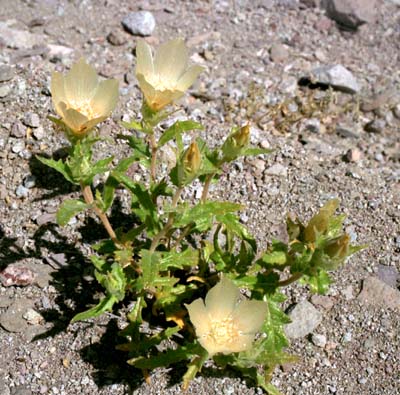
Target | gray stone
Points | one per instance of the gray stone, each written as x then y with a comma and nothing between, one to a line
396,111
375,126
318,340
141,23
32,120
351,13
22,192
29,181
376,292
39,133
18,129
347,130
33,317
305,318
389,275
6,73
18,39
336,76
4,90
278,53
46,218
322,300
5,301
12,320
312,125
277,170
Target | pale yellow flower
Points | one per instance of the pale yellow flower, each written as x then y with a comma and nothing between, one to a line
224,324
167,77
80,99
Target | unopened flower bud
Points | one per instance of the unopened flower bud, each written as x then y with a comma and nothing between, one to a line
192,159
339,247
242,136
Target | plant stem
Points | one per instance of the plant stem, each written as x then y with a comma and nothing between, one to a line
206,187
169,223
153,164
290,280
89,199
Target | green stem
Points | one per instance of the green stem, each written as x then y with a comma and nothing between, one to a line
290,280
153,164
89,199
169,223
206,187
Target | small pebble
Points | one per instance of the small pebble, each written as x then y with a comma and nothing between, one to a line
18,130
21,191
116,38
141,23
29,181
278,53
32,120
353,155
318,340
39,133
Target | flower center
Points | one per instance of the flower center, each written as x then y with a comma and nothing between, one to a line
84,107
223,332
160,83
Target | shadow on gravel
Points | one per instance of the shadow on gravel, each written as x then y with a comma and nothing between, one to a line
10,251
110,364
48,178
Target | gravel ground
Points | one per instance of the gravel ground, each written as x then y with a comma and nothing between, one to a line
327,143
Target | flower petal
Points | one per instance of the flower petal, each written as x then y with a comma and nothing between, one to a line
81,82
57,91
198,317
74,119
189,77
221,299
170,61
240,343
249,315
144,58
91,124
105,98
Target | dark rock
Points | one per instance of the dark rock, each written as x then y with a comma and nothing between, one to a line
116,38
375,126
351,13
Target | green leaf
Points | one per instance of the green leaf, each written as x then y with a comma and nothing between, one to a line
276,339
319,283
202,215
233,224
105,304
178,260
254,151
142,203
141,150
177,129
68,209
60,166
276,256
132,125
149,263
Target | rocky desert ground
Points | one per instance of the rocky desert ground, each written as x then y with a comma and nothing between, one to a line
320,83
